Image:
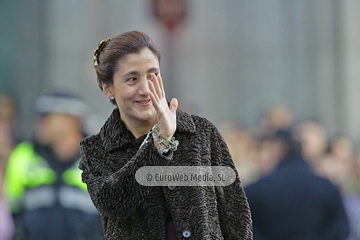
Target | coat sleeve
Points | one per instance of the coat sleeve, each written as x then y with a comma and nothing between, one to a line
233,207
118,194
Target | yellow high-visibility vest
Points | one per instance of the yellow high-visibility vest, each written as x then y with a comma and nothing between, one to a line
28,170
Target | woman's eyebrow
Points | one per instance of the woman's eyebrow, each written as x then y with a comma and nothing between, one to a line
131,73
137,73
153,69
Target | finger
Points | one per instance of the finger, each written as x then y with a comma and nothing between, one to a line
174,105
154,102
161,85
157,85
153,91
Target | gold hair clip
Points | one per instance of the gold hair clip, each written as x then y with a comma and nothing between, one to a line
98,51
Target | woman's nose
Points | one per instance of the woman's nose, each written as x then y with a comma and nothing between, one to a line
144,87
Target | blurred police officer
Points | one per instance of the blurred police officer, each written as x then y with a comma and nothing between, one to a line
43,182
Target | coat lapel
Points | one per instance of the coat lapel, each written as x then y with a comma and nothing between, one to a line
114,133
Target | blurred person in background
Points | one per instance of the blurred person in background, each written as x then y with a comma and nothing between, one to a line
352,202
278,117
337,163
268,155
43,182
293,203
339,166
314,141
8,119
242,147
6,146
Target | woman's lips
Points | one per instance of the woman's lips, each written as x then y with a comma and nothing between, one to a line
143,102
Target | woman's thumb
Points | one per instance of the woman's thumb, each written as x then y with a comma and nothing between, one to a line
174,105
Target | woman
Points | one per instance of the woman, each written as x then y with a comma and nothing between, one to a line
128,72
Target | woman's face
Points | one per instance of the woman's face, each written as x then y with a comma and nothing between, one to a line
131,88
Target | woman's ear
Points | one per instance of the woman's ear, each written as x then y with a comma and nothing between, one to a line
107,89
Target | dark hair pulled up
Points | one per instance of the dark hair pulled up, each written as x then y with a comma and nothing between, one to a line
110,51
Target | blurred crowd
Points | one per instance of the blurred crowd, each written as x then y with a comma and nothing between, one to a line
258,156
256,152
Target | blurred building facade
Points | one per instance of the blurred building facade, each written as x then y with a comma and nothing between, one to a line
231,59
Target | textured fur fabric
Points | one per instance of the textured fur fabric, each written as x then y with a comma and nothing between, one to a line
129,210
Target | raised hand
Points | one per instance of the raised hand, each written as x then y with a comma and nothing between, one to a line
166,115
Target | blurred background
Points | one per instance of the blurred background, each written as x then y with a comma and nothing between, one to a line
250,66
224,60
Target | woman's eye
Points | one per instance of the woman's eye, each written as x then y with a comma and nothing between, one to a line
149,76
132,79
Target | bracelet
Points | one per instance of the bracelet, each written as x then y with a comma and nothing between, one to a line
160,147
164,144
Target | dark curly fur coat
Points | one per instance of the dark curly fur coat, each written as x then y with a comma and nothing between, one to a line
133,211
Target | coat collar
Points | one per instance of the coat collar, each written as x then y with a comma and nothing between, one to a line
114,133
